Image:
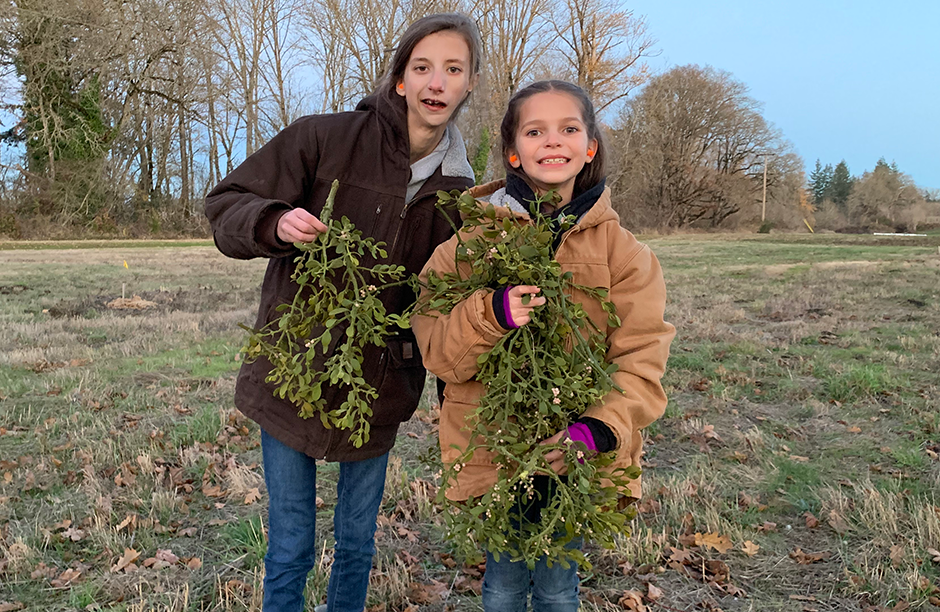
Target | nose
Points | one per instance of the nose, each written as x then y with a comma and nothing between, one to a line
553,138
436,83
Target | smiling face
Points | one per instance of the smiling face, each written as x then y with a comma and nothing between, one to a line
551,143
436,79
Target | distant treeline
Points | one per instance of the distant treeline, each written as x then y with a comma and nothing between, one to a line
125,112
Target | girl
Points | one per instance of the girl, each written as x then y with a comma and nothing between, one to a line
551,142
391,156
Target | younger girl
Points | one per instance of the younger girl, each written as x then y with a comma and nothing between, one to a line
551,142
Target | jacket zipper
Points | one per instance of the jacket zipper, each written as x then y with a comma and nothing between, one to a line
404,211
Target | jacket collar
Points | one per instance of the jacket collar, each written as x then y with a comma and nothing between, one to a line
495,193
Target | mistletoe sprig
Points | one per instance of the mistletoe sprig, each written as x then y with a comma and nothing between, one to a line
338,301
539,379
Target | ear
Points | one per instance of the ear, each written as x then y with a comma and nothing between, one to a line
592,146
400,88
513,158
474,80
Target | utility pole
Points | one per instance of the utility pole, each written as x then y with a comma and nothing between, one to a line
763,204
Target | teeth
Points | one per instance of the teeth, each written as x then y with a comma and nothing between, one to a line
554,160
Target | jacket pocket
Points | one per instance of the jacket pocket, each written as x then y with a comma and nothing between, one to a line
402,381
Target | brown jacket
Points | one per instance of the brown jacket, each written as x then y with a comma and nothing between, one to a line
600,253
368,151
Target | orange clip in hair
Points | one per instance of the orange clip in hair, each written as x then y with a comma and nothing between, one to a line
590,152
401,87
513,159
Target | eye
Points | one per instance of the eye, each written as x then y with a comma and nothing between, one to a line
572,130
455,69
533,132
420,68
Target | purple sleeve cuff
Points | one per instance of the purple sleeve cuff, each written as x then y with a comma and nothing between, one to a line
501,308
579,432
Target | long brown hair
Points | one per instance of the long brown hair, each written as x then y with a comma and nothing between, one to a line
418,31
591,174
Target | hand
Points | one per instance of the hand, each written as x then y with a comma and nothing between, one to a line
556,458
298,225
521,313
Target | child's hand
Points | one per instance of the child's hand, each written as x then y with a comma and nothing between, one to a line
521,313
556,458
298,225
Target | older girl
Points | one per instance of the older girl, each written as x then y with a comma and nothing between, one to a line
391,155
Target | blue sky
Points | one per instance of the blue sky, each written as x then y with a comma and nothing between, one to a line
846,80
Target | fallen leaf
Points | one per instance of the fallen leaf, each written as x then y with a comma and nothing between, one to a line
129,521
653,592
253,496
749,548
74,534
127,560
633,601
767,527
837,522
12,607
934,554
713,540
809,558
897,555
680,555
411,535
811,521
188,532
799,458
194,563
43,571
427,593
854,429
212,490
167,555
66,578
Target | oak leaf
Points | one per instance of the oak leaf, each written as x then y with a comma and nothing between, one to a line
66,578
749,548
126,562
253,496
809,558
633,601
713,540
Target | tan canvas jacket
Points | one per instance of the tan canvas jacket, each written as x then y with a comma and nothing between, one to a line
600,253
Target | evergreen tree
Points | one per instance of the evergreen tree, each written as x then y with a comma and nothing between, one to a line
478,163
820,181
840,187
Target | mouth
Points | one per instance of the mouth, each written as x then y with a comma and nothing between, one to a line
434,104
553,161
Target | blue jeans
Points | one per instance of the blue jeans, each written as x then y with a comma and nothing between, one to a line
507,584
291,479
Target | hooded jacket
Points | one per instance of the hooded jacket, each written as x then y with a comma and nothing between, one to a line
368,151
600,253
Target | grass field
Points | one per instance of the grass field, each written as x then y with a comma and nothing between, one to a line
796,467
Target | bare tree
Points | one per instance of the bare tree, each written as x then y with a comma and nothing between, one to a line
603,46
690,145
